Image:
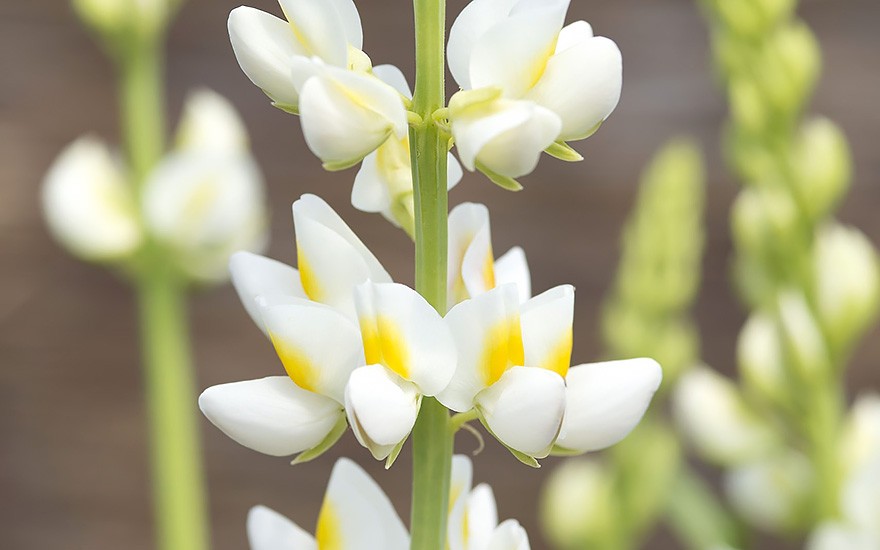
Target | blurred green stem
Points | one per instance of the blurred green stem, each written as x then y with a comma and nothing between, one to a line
696,516
823,425
178,486
432,435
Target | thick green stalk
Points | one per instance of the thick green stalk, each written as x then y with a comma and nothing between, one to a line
178,486
432,435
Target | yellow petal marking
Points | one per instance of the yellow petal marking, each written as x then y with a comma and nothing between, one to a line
297,364
559,358
384,345
329,531
489,270
307,277
536,71
503,349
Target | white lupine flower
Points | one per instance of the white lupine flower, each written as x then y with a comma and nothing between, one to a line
500,136
513,365
473,518
769,493
712,414
346,114
206,200
265,45
472,267
521,49
384,182
204,206
89,205
331,261
319,348
847,281
355,515
409,353
309,315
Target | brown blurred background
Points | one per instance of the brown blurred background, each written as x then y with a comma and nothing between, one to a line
73,456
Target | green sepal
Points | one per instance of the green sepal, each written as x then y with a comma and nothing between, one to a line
558,450
287,108
394,452
504,182
563,151
337,166
324,445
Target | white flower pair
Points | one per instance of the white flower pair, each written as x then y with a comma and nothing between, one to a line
357,346
357,515
203,201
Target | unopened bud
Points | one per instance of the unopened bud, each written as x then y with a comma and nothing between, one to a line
760,357
575,507
824,165
803,339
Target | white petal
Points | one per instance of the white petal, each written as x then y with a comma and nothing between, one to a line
206,205
403,332
88,204
254,275
322,28
712,414
488,340
394,77
861,437
460,483
510,535
513,53
318,346
270,415
269,530
357,515
572,35
347,115
861,494
482,516
264,46
210,123
351,22
506,136
454,172
472,23
512,268
547,329
605,401
466,222
332,260
370,193
524,409
381,408
385,176
582,85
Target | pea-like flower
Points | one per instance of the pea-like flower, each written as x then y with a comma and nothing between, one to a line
309,315
312,65
384,182
472,266
202,202
355,515
528,81
409,353
473,517
513,370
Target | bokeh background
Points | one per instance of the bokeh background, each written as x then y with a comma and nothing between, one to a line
73,455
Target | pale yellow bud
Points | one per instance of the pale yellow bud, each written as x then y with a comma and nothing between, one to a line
822,159
760,356
575,508
771,494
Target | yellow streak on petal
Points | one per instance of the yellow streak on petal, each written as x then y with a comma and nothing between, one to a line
559,359
489,270
297,364
384,345
300,36
307,277
329,531
536,71
503,349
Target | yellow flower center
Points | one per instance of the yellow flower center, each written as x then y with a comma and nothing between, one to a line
503,349
307,277
297,364
384,345
328,533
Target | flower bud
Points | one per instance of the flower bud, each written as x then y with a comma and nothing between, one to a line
751,17
772,494
210,123
575,506
89,205
760,357
762,218
847,283
714,417
116,17
824,165
861,435
801,335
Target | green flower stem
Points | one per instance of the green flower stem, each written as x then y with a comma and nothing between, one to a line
180,510
432,435
696,517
